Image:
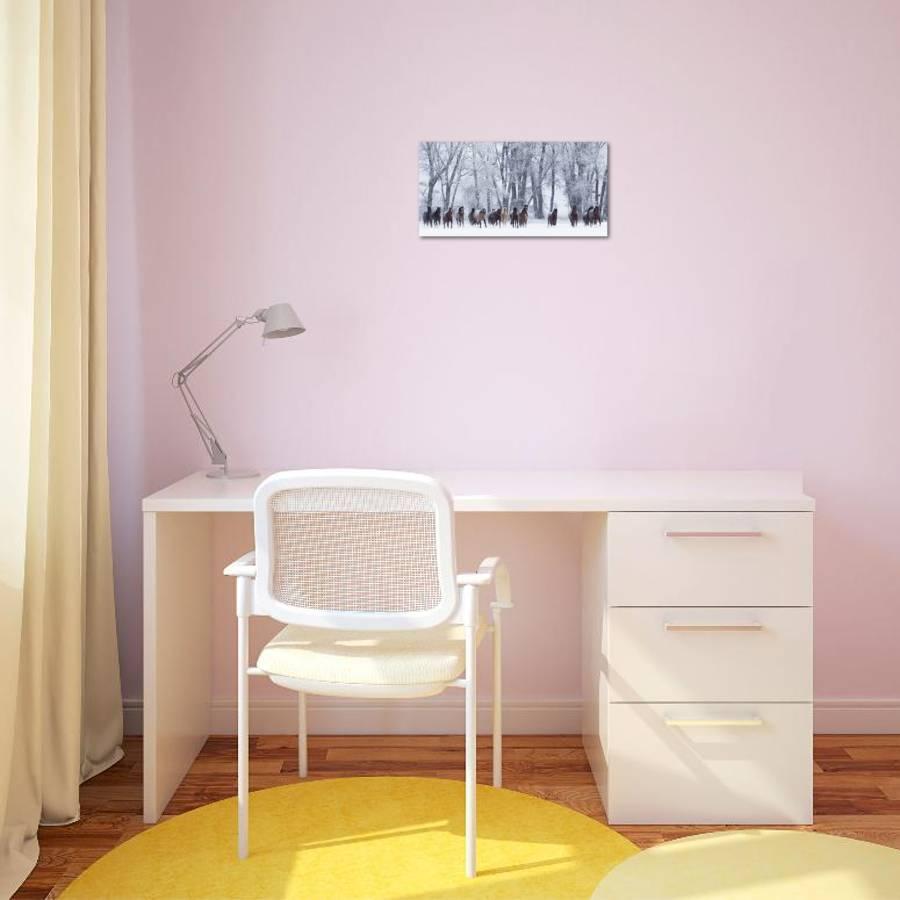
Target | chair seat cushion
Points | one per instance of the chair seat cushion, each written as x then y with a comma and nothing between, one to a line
334,656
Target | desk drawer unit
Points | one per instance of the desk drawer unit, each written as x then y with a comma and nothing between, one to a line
710,763
710,559
725,654
702,663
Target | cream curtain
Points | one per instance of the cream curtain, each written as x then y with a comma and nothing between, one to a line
60,703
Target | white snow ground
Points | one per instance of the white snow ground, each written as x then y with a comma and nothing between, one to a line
534,228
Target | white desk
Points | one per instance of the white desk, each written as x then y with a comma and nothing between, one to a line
178,578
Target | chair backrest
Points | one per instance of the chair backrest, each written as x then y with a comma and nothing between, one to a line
354,549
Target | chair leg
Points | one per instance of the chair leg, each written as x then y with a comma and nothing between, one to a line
471,737
243,738
497,741
302,757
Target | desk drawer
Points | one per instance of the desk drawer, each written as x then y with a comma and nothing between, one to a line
709,559
682,654
723,764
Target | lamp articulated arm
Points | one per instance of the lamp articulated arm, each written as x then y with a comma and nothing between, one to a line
217,455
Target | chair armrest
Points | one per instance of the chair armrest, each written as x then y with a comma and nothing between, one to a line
245,566
491,571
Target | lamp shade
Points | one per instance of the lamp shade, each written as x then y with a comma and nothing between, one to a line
281,321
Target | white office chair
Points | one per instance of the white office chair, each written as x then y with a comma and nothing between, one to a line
360,565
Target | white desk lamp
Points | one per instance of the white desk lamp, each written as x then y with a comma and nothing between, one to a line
279,321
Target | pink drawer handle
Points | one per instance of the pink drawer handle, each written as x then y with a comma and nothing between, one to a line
734,626
751,722
711,534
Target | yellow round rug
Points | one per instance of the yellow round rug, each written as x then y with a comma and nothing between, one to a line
757,865
363,837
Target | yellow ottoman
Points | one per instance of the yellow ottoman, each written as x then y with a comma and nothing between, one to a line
757,865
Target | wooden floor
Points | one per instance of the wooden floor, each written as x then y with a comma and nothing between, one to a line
857,787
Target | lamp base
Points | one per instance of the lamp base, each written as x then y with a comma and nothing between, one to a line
228,473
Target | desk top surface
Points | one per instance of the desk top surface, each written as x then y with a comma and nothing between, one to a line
545,491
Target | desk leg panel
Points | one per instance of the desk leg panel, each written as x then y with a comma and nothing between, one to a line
177,668
595,637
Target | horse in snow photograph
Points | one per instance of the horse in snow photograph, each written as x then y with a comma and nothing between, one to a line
514,189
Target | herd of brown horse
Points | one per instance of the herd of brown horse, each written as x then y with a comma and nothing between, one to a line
518,218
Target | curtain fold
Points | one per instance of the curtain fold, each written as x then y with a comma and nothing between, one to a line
60,700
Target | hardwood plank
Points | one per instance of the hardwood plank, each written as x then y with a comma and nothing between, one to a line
855,765
890,787
215,764
856,740
880,754
827,753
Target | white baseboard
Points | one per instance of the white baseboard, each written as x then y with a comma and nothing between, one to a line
133,716
333,716
443,716
857,716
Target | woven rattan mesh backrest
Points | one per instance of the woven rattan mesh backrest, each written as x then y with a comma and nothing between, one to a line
354,549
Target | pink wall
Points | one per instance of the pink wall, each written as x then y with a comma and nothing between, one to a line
744,313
